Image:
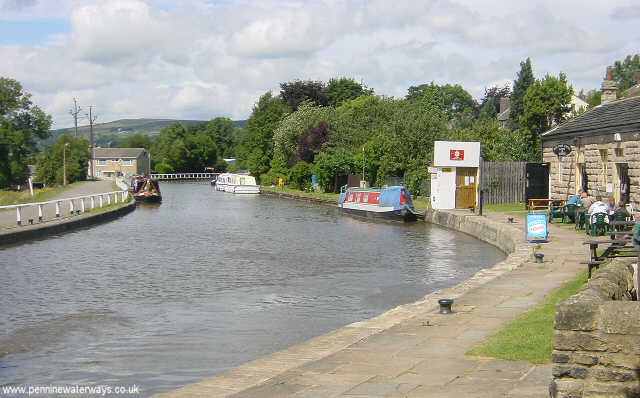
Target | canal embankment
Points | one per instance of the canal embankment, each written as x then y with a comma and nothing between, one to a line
56,220
414,351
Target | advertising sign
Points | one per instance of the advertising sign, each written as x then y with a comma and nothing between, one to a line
456,154
536,227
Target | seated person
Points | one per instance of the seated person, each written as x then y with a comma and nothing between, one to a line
621,208
574,200
585,200
598,207
611,206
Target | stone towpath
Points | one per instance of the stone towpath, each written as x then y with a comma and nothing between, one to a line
412,351
8,218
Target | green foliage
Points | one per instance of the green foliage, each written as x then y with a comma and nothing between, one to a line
221,130
21,125
331,164
255,147
296,92
344,89
163,168
593,98
294,125
625,72
452,99
488,110
497,144
546,102
186,149
522,83
69,150
300,175
137,141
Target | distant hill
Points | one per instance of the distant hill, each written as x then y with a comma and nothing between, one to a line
119,130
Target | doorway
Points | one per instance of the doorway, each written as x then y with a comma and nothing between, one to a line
466,186
537,184
623,182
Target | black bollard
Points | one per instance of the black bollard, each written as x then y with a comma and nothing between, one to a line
539,257
445,306
510,220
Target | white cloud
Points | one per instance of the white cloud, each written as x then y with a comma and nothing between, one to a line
201,59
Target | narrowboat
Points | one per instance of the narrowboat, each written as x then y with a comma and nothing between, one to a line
392,203
147,190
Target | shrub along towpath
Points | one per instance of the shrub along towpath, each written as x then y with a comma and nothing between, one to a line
412,351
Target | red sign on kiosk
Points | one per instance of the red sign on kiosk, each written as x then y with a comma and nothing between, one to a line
456,154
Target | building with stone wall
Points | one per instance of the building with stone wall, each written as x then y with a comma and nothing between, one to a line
605,150
112,162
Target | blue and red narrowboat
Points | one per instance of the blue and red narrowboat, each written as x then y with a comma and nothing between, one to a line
393,203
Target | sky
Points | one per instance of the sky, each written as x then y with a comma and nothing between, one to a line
200,59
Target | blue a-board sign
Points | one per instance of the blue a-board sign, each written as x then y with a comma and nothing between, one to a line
536,227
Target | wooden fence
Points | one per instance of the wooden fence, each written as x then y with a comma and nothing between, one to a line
504,182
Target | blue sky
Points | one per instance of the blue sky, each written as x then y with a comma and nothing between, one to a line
198,59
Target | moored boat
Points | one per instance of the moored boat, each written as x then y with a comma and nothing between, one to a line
242,183
392,203
222,181
147,190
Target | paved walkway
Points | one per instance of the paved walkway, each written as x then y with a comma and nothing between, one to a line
8,218
414,352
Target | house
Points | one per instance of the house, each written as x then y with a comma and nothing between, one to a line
604,143
112,162
577,105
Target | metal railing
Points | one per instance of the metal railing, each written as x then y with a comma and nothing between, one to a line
183,176
75,205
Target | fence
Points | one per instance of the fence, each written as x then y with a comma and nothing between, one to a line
183,176
46,210
503,182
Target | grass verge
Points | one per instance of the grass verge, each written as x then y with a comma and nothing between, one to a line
8,198
507,207
529,336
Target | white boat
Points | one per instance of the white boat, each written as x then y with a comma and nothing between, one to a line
222,181
237,183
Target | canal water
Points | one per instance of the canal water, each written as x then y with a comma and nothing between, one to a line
174,293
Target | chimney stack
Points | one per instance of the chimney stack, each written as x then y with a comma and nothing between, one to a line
609,90
505,103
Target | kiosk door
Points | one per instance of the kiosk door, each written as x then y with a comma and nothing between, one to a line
466,186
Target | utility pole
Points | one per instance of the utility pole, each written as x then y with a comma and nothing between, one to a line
74,112
92,146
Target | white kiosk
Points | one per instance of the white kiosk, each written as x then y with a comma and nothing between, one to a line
455,174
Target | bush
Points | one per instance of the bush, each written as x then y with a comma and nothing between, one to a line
163,168
300,175
271,178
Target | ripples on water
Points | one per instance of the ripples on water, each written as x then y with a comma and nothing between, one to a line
176,292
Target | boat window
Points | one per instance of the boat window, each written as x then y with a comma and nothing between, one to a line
358,197
366,197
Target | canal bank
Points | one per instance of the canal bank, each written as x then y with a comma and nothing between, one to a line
412,350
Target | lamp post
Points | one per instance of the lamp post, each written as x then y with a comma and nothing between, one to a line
64,164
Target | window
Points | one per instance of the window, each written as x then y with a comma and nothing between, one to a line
101,162
366,197
127,162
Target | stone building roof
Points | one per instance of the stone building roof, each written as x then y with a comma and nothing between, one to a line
118,153
613,117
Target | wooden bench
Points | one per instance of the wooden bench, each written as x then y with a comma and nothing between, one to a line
542,204
620,246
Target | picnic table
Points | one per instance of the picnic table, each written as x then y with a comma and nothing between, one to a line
542,204
620,244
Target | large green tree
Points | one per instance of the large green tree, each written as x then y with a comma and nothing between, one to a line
222,131
255,148
22,124
522,83
69,151
344,89
137,141
295,92
547,102
454,100
625,72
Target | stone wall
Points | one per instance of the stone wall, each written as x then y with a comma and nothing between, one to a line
597,338
589,151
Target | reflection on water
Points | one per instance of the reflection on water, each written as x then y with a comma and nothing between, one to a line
179,291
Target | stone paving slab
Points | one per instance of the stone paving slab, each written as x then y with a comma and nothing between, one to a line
412,351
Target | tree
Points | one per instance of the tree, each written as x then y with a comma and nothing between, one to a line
593,98
255,147
21,124
520,86
295,92
170,147
452,99
344,89
495,95
201,152
300,175
310,143
221,130
331,164
137,141
66,150
625,73
547,102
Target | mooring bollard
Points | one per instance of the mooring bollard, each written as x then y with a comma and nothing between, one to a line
539,257
40,213
445,306
510,220
19,215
